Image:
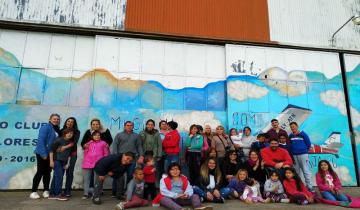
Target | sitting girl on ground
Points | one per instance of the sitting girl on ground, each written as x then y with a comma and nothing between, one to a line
329,183
295,188
176,191
252,192
237,184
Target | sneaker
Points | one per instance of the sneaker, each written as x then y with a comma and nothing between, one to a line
285,200
204,208
68,195
45,194
305,202
34,195
62,198
52,197
155,205
84,197
120,206
96,201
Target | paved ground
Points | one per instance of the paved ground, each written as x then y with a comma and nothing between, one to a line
20,200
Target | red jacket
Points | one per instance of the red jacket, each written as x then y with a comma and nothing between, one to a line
272,157
171,143
290,188
167,181
149,176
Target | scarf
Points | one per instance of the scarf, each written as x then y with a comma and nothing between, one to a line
252,163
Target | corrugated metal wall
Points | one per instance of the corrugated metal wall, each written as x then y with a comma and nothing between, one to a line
89,13
231,19
312,23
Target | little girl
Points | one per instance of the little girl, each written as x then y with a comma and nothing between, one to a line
273,189
252,192
237,184
329,183
149,178
176,191
295,188
94,150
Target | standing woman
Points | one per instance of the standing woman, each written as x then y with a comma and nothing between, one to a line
221,143
208,134
164,129
246,141
72,124
47,135
151,140
95,125
194,143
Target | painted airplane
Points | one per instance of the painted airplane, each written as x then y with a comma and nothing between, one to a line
299,114
331,146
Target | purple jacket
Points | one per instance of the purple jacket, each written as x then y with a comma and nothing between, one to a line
238,186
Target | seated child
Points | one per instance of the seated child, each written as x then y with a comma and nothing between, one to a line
329,183
273,189
295,188
176,191
252,192
134,192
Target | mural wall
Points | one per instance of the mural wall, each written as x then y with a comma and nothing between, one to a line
105,77
352,65
292,85
118,79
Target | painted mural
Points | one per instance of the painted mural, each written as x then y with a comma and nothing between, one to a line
352,64
311,95
257,88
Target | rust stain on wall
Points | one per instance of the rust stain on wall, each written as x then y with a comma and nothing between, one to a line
230,19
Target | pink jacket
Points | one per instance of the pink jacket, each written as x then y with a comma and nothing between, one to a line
95,151
324,187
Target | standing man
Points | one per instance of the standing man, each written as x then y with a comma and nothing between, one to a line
276,131
127,141
299,147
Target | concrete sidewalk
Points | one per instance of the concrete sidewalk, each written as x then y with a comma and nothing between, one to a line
20,200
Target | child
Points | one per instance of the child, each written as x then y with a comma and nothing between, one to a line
94,150
113,165
273,189
252,192
260,143
237,184
176,191
150,178
329,183
59,162
295,189
134,192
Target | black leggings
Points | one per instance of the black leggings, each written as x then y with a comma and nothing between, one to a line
43,171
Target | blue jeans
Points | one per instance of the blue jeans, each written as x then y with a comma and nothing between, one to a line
170,159
224,192
56,183
70,175
334,197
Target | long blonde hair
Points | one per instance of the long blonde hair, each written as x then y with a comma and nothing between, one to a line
204,171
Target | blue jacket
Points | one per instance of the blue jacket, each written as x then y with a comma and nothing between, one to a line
111,163
47,136
299,144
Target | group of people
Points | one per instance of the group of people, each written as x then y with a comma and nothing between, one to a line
273,167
